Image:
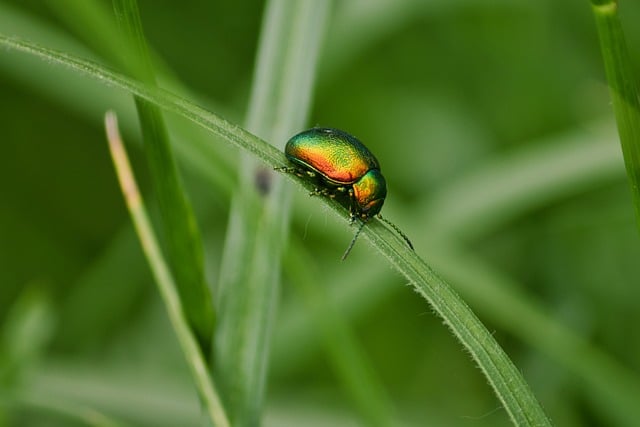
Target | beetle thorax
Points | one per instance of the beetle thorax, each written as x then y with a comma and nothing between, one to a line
369,193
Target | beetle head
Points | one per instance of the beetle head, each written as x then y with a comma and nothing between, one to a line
369,193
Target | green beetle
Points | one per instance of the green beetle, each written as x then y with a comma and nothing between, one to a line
342,168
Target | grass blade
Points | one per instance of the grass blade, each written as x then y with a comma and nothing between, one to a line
86,99
250,276
486,197
220,127
182,238
348,359
74,413
163,277
623,89
506,380
26,331
503,376
614,389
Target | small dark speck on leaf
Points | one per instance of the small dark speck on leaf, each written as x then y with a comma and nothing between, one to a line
263,179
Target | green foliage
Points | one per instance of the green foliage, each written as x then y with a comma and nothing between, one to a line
503,169
259,215
177,310
623,86
502,375
182,237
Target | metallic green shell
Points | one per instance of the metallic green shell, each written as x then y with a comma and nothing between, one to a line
341,160
334,154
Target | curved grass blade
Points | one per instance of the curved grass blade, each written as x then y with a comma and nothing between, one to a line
613,388
503,376
259,218
180,229
623,88
73,412
163,277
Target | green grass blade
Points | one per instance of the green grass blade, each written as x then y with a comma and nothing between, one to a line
72,412
86,99
26,330
506,380
180,230
623,89
486,197
480,201
503,376
85,17
250,276
163,277
614,389
81,15
142,400
220,127
136,55
346,356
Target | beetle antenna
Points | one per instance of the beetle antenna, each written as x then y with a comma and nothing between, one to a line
395,227
353,241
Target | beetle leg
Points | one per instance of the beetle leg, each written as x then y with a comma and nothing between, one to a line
321,192
286,169
352,217
341,191
315,192
336,191
352,214
352,208
296,171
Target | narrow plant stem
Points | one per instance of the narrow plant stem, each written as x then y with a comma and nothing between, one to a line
162,275
258,221
226,130
506,380
93,25
614,389
182,238
623,88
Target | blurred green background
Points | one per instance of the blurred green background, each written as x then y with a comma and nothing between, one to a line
493,125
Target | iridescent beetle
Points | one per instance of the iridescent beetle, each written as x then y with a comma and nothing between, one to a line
343,169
